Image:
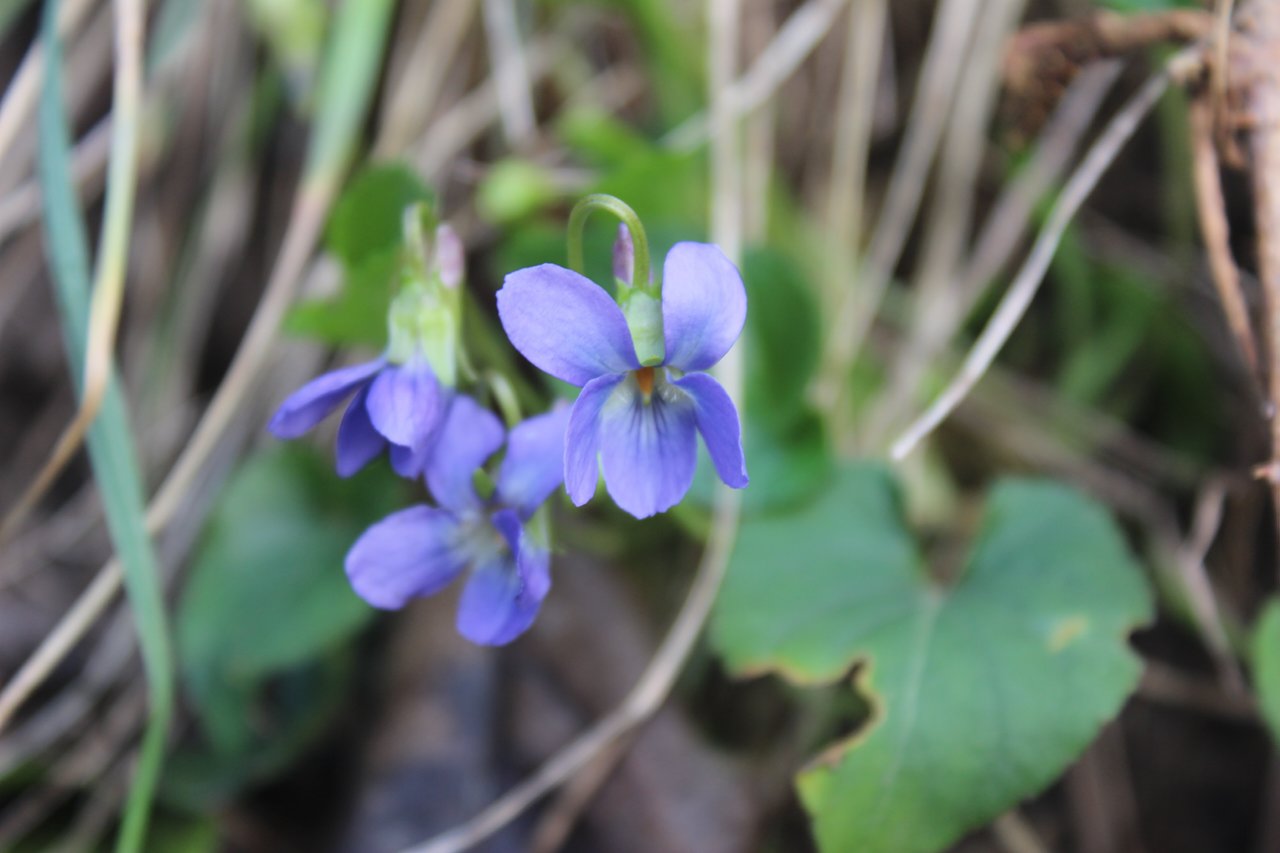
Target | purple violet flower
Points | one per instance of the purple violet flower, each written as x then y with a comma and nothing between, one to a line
396,406
636,422
399,399
421,550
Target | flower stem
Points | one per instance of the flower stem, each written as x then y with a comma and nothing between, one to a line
505,396
620,209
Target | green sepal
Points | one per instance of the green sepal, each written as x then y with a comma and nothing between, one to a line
425,317
642,307
483,484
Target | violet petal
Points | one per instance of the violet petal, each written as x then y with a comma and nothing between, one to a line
565,324
358,442
717,420
411,553
311,403
648,449
534,464
704,305
410,463
405,403
503,595
582,438
470,435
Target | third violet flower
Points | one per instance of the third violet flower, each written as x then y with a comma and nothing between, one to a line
492,532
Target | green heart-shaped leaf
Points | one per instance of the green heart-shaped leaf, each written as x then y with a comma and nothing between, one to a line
982,692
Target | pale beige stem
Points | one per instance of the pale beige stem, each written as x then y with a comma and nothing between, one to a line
1027,282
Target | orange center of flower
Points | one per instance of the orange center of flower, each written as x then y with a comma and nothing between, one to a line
644,379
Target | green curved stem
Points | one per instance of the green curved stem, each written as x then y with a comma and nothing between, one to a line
622,210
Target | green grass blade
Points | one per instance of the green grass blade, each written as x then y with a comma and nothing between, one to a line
353,58
110,443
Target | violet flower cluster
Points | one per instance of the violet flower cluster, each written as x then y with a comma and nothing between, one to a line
640,363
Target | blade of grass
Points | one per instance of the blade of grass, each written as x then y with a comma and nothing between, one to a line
1026,283
108,289
346,86
111,450
20,97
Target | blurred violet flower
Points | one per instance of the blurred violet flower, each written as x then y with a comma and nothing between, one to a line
637,422
419,551
396,406
399,399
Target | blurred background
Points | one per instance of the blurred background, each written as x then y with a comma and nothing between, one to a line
880,169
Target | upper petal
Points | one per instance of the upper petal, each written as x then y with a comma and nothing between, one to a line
470,435
565,324
704,305
504,593
410,553
717,420
309,405
405,404
582,438
534,464
649,449
358,441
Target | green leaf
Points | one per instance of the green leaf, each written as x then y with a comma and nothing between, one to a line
513,189
982,692
782,335
671,45
366,221
294,33
277,721
787,465
267,588
600,138
350,63
358,315
1266,665
659,184
365,233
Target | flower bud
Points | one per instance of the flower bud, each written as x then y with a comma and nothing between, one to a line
624,255
450,256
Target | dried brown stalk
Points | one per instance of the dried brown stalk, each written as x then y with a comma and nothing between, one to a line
1255,81
1042,59
1214,230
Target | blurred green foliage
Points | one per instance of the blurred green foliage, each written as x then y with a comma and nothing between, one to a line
267,613
1122,345
294,31
364,234
513,189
